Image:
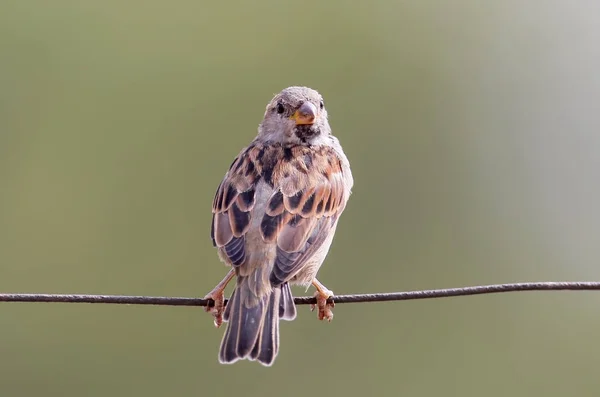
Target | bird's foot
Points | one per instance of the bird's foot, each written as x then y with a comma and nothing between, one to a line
323,295
218,296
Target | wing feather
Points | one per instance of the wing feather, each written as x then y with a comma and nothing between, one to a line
312,188
232,208
308,197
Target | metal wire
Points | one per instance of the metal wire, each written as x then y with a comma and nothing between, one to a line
306,300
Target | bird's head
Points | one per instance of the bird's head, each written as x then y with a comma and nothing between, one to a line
295,115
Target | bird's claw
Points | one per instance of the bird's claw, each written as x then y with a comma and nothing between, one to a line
218,308
323,305
218,296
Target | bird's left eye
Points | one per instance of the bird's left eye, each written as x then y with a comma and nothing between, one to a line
322,105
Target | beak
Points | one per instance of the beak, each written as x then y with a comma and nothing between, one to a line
306,114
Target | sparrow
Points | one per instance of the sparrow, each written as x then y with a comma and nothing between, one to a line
274,217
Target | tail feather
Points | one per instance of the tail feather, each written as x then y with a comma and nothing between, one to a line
253,324
251,320
287,308
267,345
228,350
228,307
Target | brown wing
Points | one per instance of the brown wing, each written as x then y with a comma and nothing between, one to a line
232,207
309,196
301,212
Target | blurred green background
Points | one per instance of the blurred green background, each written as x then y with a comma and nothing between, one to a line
473,132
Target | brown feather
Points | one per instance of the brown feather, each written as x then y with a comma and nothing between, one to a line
321,194
223,232
292,238
238,220
270,226
218,198
229,196
275,204
309,206
246,200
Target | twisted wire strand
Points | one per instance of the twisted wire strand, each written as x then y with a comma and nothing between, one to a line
307,300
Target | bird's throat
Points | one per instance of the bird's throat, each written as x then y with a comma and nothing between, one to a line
306,132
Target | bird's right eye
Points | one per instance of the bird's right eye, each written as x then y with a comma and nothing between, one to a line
280,109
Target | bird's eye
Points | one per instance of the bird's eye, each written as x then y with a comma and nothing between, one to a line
280,108
322,105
